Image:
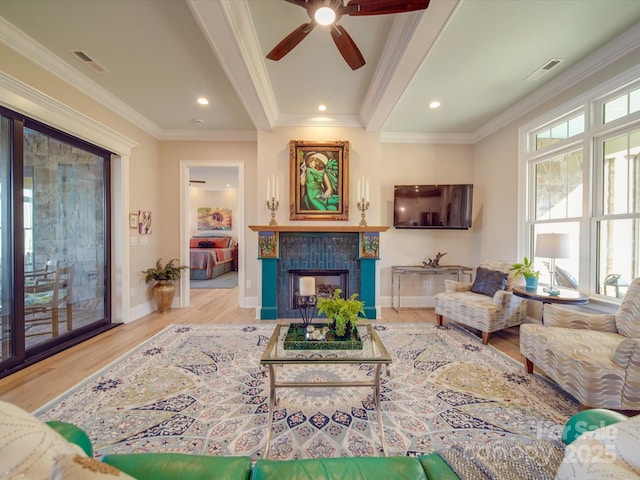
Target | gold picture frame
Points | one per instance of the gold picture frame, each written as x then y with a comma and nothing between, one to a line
319,180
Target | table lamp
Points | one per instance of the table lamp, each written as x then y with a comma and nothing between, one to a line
552,246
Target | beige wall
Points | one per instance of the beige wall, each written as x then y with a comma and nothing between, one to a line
83,117
407,164
173,156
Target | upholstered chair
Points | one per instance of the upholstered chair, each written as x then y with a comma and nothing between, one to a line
486,304
593,357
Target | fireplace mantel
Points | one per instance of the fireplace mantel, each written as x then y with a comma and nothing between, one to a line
285,248
317,228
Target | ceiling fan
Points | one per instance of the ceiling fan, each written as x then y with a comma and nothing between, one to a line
329,12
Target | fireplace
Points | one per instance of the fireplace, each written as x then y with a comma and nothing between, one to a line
339,253
327,281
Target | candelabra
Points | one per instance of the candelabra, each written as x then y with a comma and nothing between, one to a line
273,206
363,206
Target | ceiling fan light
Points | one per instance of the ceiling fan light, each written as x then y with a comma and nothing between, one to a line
325,16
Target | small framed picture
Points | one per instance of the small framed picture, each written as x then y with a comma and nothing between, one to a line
268,244
133,220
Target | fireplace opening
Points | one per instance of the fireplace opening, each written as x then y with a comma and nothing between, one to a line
327,281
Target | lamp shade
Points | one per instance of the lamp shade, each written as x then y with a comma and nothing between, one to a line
553,245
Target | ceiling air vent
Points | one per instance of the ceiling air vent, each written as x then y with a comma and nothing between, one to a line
546,68
90,62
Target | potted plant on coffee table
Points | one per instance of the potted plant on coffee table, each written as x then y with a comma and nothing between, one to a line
343,312
164,289
527,270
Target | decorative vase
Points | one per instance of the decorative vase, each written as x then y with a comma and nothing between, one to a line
163,293
532,284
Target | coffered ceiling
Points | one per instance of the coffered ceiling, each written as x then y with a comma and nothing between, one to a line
478,58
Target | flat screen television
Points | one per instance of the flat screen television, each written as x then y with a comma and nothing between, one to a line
432,206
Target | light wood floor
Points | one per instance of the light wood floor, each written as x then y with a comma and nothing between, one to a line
42,382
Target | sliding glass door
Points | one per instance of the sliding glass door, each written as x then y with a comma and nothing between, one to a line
6,270
54,207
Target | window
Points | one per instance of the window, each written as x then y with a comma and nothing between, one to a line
584,180
617,216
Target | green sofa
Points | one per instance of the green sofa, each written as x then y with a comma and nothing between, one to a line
161,466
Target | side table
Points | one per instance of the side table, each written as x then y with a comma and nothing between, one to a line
566,297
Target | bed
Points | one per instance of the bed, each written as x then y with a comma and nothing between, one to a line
210,257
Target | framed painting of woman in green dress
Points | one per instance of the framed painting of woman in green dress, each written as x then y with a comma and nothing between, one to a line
319,180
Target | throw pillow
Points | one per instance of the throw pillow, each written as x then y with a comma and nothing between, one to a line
76,467
205,244
28,445
488,282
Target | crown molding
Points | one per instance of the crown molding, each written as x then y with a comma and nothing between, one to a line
23,98
293,120
36,53
209,135
601,58
446,138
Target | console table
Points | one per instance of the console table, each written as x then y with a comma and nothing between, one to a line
397,271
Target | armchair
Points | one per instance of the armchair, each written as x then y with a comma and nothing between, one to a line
486,312
593,357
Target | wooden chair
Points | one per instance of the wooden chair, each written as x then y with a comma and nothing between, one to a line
45,293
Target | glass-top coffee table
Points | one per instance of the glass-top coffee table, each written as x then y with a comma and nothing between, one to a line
373,353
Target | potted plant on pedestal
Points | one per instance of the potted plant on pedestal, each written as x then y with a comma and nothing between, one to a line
164,289
527,270
343,312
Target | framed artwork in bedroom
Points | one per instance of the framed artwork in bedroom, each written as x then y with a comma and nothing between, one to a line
319,180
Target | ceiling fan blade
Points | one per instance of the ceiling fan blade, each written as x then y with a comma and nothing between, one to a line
382,7
347,47
290,41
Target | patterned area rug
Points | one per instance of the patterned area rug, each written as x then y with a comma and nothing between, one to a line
200,389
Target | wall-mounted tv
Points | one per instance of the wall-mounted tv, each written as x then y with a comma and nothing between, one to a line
432,206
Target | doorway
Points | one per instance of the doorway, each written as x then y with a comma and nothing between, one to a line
212,212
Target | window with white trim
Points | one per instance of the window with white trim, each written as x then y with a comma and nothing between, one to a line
583,179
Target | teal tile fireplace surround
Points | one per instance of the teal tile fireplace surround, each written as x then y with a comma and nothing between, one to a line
318,250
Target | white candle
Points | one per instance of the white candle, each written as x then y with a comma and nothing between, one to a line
277,188
307,286
268,189
359,192
366,195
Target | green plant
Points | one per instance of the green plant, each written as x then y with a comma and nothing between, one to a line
525,268
342,311
169,272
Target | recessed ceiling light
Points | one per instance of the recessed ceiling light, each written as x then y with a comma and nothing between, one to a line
434,104
203,101
325,16
322,108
